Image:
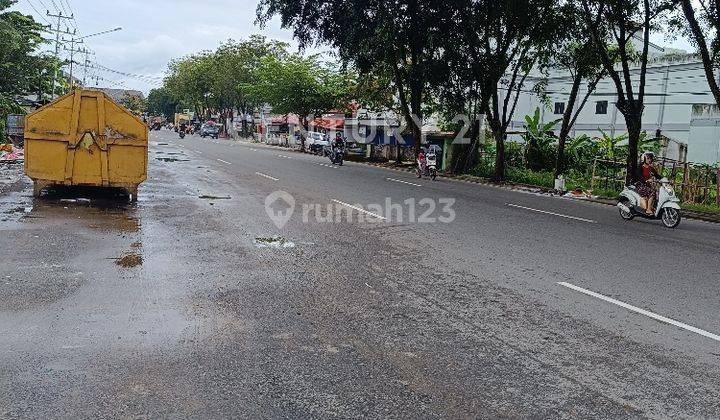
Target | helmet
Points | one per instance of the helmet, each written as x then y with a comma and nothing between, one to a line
651,155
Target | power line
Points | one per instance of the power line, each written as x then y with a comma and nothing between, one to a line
142,77
38,12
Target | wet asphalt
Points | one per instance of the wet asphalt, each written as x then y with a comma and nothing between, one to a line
351,318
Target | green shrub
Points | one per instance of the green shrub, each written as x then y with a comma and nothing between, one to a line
526,176
606,193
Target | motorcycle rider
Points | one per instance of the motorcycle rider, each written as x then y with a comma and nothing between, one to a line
422,160
339,142
644,177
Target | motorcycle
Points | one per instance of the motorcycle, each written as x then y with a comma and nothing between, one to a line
429,167
336,155
667,209
181,131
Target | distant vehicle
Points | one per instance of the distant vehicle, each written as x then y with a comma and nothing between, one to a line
316,142
210,130
336,152
180,118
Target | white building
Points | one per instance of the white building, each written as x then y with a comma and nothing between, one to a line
676,84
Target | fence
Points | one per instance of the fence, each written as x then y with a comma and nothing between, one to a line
695,183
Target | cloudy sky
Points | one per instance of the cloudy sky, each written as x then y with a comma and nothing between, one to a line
156,31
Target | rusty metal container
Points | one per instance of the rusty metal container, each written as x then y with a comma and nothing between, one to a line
86,139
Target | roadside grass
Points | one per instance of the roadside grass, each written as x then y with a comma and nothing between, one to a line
703,208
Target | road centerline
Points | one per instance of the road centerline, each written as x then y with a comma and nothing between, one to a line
580,219
641,311
272,178
404,182
224,161
360,209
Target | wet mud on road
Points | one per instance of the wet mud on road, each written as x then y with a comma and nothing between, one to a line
189,304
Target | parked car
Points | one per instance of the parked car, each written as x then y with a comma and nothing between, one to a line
316,142
210,130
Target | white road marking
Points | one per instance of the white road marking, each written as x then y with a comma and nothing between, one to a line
404,182
224,161
552,214
360,209
197,151
284,157
326,165
642,311
266,176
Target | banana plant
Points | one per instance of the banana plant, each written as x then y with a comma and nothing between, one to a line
648,144
579,143
538,132
609,145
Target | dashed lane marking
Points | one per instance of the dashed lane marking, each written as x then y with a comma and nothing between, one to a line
404,182
642,311
272,178
552,214
360,209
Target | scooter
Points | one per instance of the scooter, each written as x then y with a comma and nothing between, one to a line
182,134
429,167
667,209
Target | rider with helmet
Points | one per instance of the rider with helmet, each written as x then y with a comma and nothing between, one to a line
644,177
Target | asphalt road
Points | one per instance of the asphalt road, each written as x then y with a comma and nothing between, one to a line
508,304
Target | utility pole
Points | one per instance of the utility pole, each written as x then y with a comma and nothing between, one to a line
86,64
58,31
72,51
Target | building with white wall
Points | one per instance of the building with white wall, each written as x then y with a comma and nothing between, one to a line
676,84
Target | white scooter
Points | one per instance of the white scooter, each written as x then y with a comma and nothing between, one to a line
428,169
667,209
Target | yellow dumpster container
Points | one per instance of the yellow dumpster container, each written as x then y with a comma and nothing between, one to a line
85,138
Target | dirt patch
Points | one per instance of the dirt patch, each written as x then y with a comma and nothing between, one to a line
131,260
215,197
163,159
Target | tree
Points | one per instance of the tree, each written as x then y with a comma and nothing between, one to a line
577,56
237,64
135,103
495,45
703,18
214,81
161,102
298,85
191,81
614,25
395,36
22,71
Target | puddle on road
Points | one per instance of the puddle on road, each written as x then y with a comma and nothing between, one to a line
100,208
274,242
171,157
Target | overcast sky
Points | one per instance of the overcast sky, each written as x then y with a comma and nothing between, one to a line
156,31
